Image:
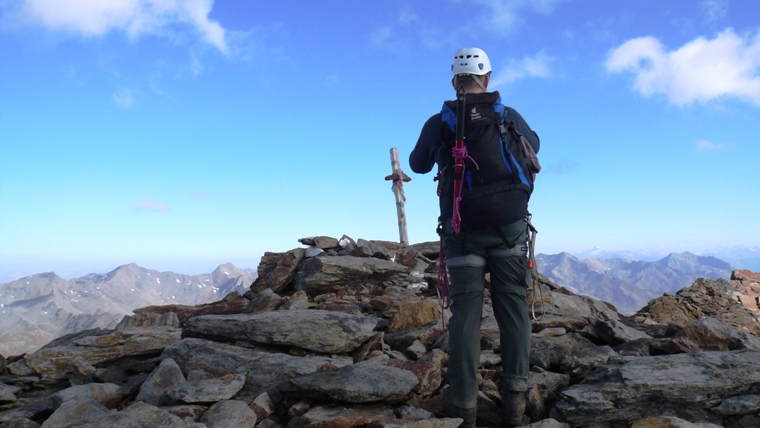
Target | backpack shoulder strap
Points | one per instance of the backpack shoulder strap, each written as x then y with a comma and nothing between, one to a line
530,156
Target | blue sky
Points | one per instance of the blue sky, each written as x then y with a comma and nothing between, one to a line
187,133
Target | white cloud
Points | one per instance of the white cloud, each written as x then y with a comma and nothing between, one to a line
708,146
123,98
563,166
147,204
406,33
408,16
381,36
714,10
537,65
195,64
504,14
135,17
699,71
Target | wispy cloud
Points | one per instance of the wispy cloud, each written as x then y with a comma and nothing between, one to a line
148,204
563,166
704,146
714,10
200,195
381,36
134,17
505,14
537,65
123,98
406,32
702,70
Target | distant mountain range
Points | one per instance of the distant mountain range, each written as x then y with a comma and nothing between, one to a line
630,284
38,308
739,257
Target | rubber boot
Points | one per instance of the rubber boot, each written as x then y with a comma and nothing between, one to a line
467,414
513,407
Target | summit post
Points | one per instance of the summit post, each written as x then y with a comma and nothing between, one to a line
399,178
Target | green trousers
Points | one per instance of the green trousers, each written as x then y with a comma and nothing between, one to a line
468,255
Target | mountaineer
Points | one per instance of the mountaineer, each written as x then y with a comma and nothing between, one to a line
486,160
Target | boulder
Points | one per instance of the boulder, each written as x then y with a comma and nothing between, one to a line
76,412
426,423
415,313
428,374
547,353
148,319
152,416
670,422
320,275
688,386
704,298
277,270
107,394
208,390
7,393
59,362
262,370
158,389
229,413
711,334
263,301
366,248
19,423
346,415
581,362
233,303
263,406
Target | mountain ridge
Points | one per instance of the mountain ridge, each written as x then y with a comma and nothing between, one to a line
630,284
37,308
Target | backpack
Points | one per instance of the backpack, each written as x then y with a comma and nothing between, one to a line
500,169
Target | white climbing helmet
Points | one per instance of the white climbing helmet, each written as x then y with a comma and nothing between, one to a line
470,61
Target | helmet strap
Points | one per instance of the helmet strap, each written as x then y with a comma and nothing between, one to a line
479,82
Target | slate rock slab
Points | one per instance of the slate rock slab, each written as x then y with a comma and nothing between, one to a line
711,334
346,416
59,362
261,369
20,423
277,270
76,412
320,275
209,390
358,383
7,393
319,331
415,313
670,422
30,408
263,301
107,394
152,416
166,378
580,363
229,414
687,386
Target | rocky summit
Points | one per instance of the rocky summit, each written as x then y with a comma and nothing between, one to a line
342,333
